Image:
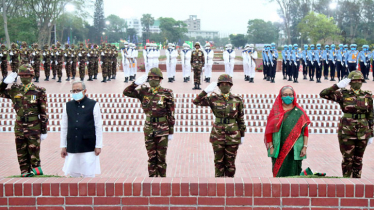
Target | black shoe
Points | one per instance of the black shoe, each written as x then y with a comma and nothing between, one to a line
289,79
208,80
319,80
113,77
295,81
364,81
95,77
104,79
147,79
46,78
268,79
198,87
73,77
68,79
131,78
173,78
332,79
54,77
169,80
90,78
264,78
246,78
188,79
59,79
326,78
126,80
195,88
367,78
108,79
272,80
284,77
305,77
36,79
205,79
184,79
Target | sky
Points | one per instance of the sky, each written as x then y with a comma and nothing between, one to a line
227,17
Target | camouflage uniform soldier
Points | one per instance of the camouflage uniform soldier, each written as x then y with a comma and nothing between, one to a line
104,62
4,61
67,61
14,58
29,102
74,59
229,127
197,63
47,62
96,61
25,54
109,61
59,53
53,61
114,61
35,61
158,106
82,53
356,125
91,62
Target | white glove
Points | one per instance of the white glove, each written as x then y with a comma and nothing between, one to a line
170,137
57,53
319,64
71,61
32,62
294,63
357,66
52,53
33,53
43,62
268,63
366,64
343,83
370,140
210,87
102,53
10,78
79,62
80,55
10,61
88,55
56,62
342,63
43,53
141,80
241,140
64,63
1,55
65,55
11,53
43,136
101,63
87,62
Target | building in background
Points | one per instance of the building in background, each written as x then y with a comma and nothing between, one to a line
193,23
194,28
155,28
136,24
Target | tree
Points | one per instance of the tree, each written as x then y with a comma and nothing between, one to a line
131,33
98,20
238,40
317,27
116,29
261,32
147,21
172,30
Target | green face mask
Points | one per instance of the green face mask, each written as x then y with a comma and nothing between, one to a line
287,99
225,89
356,86
154,83
26,81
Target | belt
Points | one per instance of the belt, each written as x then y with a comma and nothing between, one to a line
156,119
352,61
225,120
27,118
354,116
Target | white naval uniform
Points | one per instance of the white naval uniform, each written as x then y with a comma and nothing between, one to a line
125,63
134,55
209,55
85,164
245,62
252,63
186,62
229,60
171,62
147,60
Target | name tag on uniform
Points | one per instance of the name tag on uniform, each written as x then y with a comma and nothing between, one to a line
17,96
349,99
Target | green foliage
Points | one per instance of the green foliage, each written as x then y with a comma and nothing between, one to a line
238,40
261,32
147,21
319,28
21,29
172,30
116,28
98,20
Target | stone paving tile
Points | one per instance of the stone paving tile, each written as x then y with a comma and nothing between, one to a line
189,155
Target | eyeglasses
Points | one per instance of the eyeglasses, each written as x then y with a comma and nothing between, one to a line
75,91
285,94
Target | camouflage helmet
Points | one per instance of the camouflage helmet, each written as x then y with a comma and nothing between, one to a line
155,72
224,78
36,45
3,45
53,46
24,43
95,45
25,70
13,45
66,45
58,44
72,46
103,44
356,75
46,46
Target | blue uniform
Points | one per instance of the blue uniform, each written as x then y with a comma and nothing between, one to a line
325,63
295,63
265,60
364,59
340,63
273,57
317,62
331,60
351,59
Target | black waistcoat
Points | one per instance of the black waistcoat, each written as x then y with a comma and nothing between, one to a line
81,135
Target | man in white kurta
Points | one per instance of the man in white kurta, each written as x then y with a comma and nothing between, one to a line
185,56
209,55
81,134
229,60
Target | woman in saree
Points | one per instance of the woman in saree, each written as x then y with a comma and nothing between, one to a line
286,134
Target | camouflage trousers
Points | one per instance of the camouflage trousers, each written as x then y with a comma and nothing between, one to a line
68,68
114,67
352,151
73,68
59,69
104,68
156,150
82,68
90,68
109,68
14,66
47,68
54,67
197,74
36,67
28,145
224,159
4,68
96,67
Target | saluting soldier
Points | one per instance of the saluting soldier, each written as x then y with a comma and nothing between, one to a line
4,61
197,63
59,59
356,124
29,103
229,126
158,106
47,62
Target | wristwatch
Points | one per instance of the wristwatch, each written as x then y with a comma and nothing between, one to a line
306,146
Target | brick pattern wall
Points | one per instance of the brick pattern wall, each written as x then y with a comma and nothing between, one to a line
185,194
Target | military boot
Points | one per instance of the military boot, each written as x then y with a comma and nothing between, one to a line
59,79
251,80
272,80
126,80
184,79
284,77
195,88
295,80
36,79
332,79
131,79
46,78
305,77
289,78
208,80
113,77
73,77
54,77
68,79
205,79
95,76
108,79
104,79
90,78
246,78
198,87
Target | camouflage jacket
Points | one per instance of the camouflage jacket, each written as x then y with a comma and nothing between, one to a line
15,57
32,103
231,109
60,56
160,104
104,52
47,55
67,55
5,54
35,55
83,53
350,128
92,56
197,59
25,56
114,55
74,55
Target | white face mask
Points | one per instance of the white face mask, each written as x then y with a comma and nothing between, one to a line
207,48
186,48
